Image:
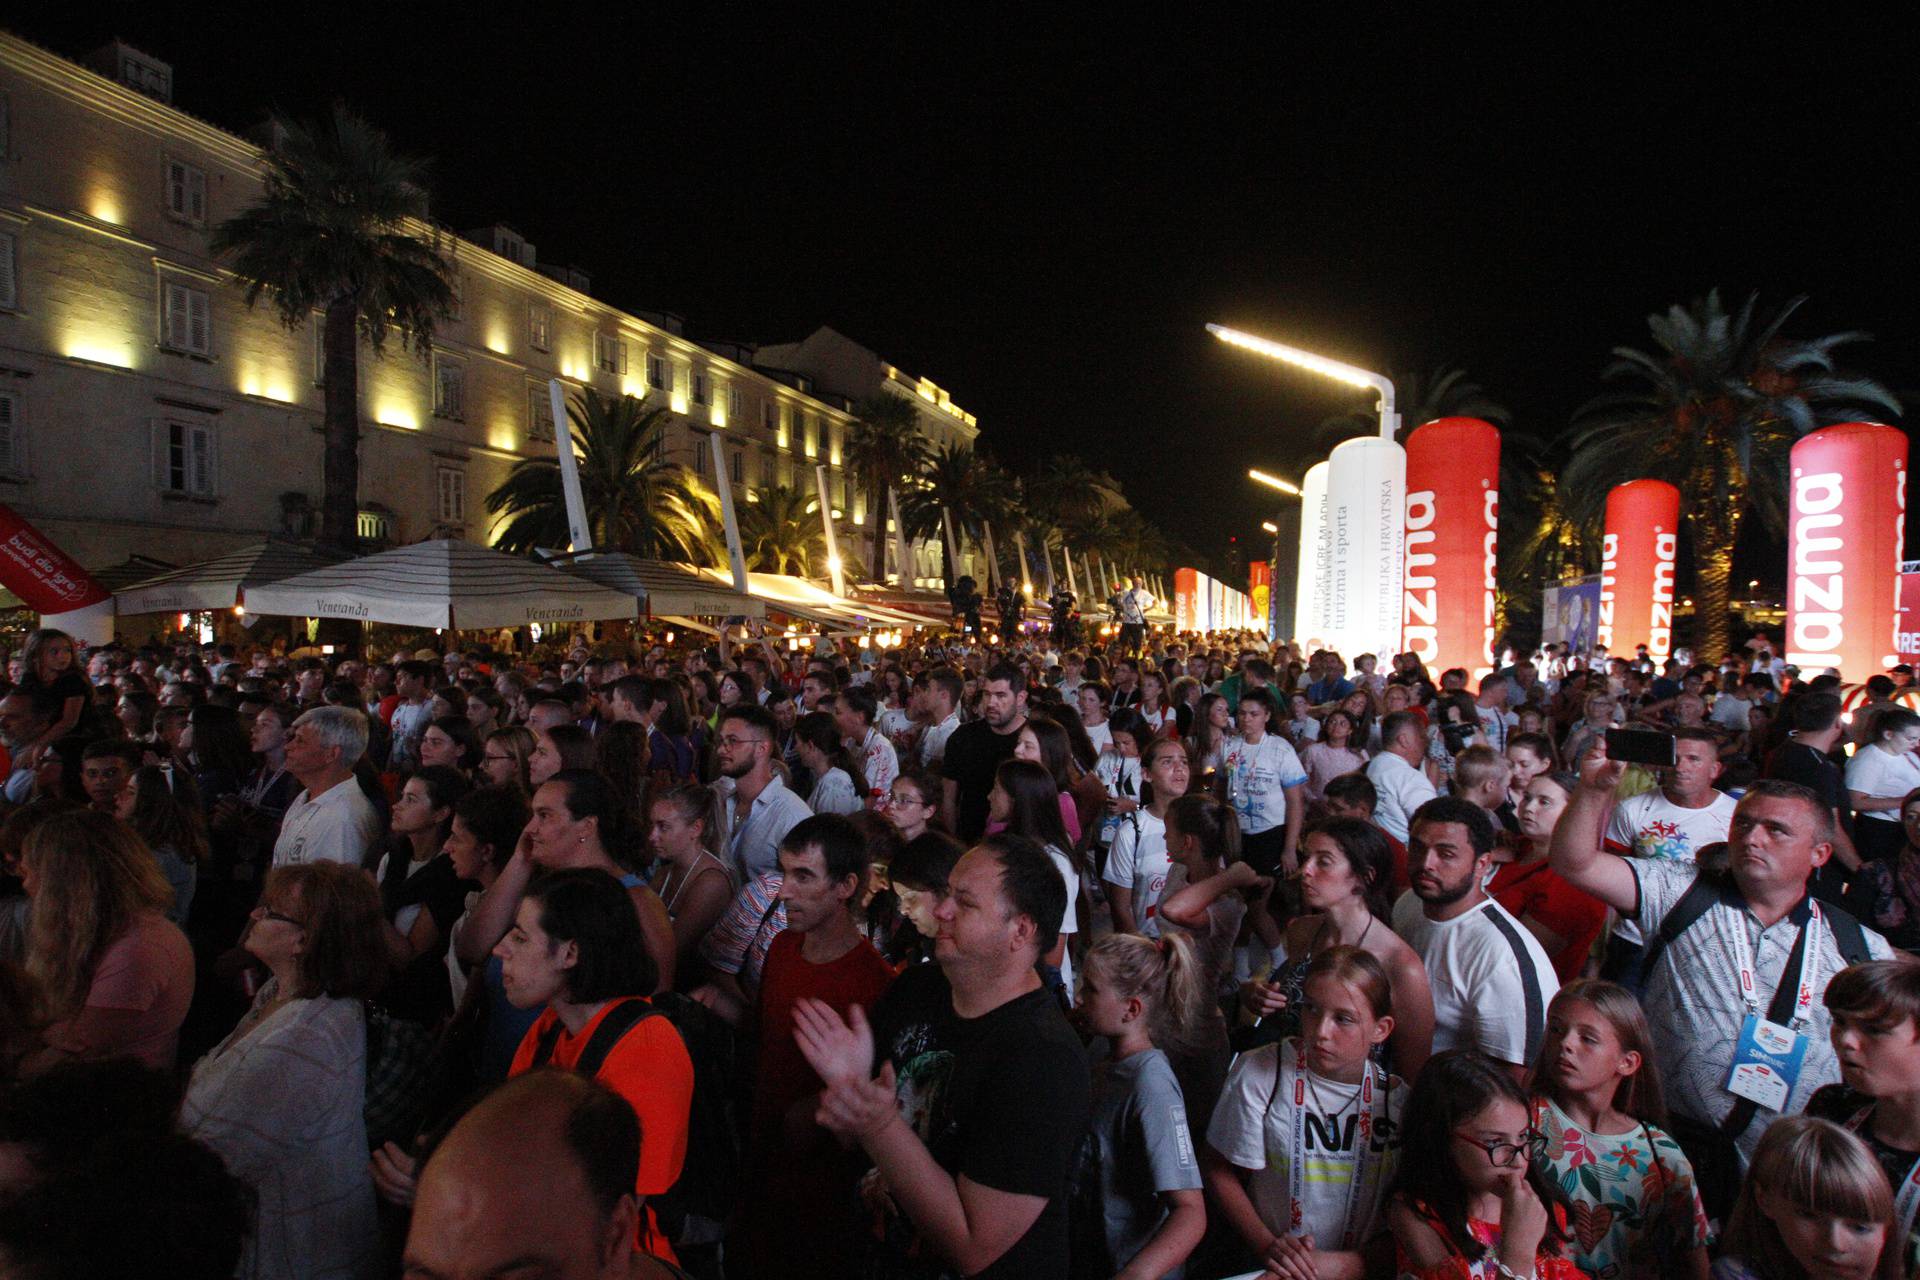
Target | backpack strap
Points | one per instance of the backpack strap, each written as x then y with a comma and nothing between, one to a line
1848,936
614,1025
1707,888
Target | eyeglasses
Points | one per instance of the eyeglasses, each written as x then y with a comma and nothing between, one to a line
1504,1155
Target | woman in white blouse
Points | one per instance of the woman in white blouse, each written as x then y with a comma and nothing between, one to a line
841,783
283,1098
1879,777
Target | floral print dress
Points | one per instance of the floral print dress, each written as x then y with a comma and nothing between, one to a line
1635,1206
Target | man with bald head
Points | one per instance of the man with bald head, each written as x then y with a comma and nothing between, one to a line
537,1179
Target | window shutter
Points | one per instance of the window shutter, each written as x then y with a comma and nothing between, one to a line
176,188
162,434
623,358
196,195
9,293
200,320
9,441
200,461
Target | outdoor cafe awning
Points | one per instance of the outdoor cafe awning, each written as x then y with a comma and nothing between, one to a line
222,582
799,598
662,589
445,583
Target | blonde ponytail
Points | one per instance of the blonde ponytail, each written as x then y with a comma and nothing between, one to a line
1164,974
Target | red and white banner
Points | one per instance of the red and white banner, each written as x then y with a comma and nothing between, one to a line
1636,568
1453,522
1846,521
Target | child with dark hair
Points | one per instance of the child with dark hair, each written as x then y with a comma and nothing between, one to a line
1472,1199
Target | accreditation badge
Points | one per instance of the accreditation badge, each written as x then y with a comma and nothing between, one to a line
1766,1062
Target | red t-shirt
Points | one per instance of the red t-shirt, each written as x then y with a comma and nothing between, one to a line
798,1217
1536,889
1399,877
858,977
650,1068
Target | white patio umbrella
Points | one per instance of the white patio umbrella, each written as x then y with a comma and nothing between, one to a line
222,582
445,583
662,589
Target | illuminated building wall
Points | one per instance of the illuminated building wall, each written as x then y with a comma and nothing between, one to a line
179,431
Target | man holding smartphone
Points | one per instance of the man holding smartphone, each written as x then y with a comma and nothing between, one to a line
1669,825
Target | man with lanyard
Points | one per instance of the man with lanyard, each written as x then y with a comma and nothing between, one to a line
1735,967
758,808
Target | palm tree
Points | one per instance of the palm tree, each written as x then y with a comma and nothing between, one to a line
884,447
1713,410
780,531
339,230
636,500
951,484
1446,392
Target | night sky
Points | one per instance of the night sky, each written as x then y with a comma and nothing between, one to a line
1041,214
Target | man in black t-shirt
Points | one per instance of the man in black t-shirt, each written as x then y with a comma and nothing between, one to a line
983,1093
1806,758
978,748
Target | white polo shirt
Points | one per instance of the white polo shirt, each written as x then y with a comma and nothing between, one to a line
338,825
1402,789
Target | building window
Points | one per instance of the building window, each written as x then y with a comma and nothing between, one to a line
808,438
769,416
374,526
737,465
13,452
9,271
449,388
657,373
186,192
186,320
766,470
540,326
733,403
451,495
183,458
702,455
699,387
609,353
539,412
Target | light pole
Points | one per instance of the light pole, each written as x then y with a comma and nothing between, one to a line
1283,583
1352,375
1366,480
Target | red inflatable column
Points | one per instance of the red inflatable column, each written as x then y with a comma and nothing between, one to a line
1186,600
1845,529
1453,515
1636,568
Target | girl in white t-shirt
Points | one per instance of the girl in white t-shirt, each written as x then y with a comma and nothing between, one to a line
1138,994
1878,778
1304,1143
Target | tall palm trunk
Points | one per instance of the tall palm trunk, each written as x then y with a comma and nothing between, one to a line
877,525
340,466
1715,531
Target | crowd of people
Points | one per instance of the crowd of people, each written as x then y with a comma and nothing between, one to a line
1190,956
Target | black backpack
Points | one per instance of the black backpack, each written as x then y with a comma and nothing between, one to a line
694,1209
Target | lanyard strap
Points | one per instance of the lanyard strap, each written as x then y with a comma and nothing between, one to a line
1807,946
1906,1204
1372,1099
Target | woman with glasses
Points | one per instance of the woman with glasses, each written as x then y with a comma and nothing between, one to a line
283,1098
503,758
1472,1199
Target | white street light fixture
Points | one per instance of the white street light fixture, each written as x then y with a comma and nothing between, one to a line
1272,481
1352,375
1270,527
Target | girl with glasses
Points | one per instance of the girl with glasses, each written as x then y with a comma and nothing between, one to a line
1472,1201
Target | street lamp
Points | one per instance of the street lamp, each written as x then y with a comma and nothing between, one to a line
1258,476
1270,527
1352,375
